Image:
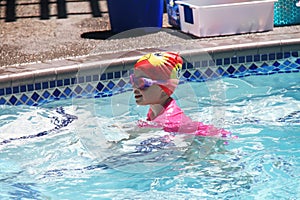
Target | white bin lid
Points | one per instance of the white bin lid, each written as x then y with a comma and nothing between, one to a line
219,3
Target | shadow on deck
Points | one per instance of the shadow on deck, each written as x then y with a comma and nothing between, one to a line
12,10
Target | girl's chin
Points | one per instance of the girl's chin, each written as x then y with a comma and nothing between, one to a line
140,102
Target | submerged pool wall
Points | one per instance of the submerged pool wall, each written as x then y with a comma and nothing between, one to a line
102,76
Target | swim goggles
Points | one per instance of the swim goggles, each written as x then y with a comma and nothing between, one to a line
143,83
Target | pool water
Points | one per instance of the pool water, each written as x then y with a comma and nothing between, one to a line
81,149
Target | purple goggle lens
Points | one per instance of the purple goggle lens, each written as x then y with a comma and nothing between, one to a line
142,83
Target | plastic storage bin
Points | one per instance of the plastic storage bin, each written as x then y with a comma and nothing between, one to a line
129,14
286,12
204,18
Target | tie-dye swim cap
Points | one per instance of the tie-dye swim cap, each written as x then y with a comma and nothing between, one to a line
162,66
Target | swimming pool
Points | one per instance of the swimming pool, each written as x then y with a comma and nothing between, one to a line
68,149
59,150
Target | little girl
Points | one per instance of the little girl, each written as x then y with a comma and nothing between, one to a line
154,80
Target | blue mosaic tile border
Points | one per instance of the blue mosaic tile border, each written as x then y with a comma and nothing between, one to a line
241,66
108,84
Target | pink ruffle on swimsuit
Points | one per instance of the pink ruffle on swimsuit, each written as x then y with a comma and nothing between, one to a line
172,119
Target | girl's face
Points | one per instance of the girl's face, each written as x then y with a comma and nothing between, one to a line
150,95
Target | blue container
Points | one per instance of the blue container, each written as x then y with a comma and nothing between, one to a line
129,14
173,13
286,13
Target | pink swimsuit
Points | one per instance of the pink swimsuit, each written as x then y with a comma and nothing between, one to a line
172,119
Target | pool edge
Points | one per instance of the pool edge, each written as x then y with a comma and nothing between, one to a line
124,60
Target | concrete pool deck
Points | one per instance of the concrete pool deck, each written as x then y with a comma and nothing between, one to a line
32,48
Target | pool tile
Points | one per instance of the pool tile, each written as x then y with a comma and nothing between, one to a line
117,75
111,85
57,93
287,54
80,80
46,94
208,72
204,63
45,85
234,60
38,86
13,100
96,77
8,91
100,87
249,58
15,90
264,57
52,84
219,61
67,91
287,63
89,88
24,98
253,67
226,61
295,54
242,68
197,64
211,63
110,75
256,58
78,89
187,74
272,56
121,83
279,55
59,83
2,101
231,69
35,96
88,79
103,77
242,59
197,74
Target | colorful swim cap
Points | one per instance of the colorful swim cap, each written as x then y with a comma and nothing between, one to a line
162,66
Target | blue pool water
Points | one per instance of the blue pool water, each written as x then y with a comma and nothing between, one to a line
76,149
